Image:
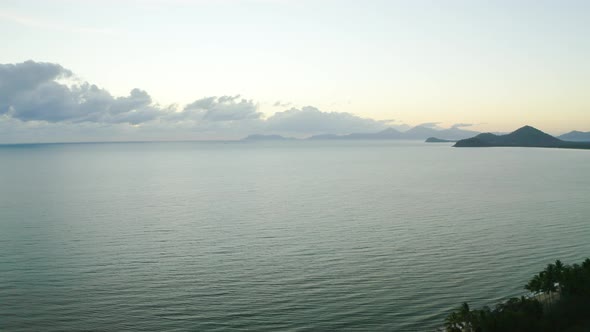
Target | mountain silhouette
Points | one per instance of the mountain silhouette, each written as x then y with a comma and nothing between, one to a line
419,132
526,136
416,133
389,133
576,136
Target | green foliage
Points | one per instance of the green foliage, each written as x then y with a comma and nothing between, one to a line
566,305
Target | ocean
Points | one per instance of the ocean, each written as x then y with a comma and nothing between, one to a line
278,236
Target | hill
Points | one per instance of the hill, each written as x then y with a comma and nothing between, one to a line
526,136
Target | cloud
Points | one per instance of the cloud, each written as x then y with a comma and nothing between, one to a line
311,120
48,102
429,124
240,116
32,91
462,125
225,108
279,103
28,75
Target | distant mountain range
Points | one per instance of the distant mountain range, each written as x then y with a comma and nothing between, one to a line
576,136
416,133
526,136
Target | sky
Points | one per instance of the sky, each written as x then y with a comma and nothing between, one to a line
80,70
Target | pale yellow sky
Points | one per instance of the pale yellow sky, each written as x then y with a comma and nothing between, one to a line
497,64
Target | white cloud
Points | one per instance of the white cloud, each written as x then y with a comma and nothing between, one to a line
310,120
225,108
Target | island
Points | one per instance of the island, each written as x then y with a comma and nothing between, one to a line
526,136
439,140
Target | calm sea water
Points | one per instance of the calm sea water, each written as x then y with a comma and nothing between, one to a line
269,236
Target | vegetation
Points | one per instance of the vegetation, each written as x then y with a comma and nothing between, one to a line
526,136
560,301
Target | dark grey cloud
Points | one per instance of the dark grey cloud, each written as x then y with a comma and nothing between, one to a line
33,91
27,76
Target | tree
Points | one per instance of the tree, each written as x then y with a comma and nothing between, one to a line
528,314
459,320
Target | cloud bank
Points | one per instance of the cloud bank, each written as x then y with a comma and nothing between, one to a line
311,120
32,91
47,100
